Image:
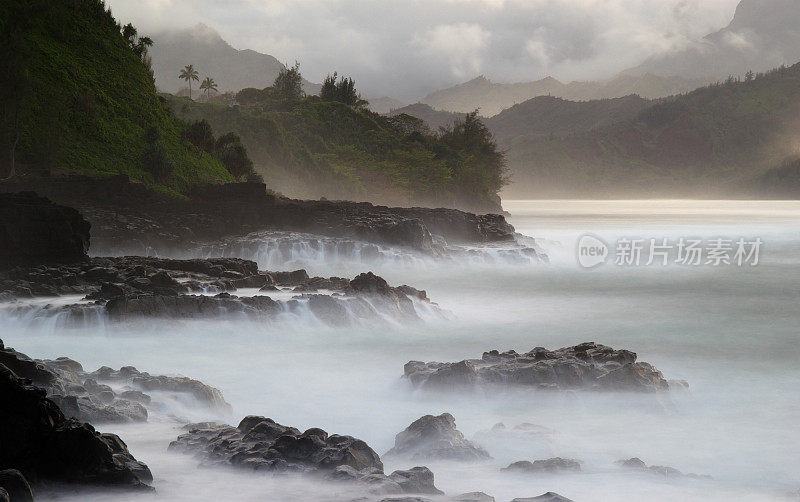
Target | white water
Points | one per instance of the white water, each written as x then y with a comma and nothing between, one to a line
731,332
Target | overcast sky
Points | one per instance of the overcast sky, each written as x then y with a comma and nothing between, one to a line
407,48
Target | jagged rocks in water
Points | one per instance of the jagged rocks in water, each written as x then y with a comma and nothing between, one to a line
638,464
436,438
545,497
261,444
38,440
131,287
415,480
16,486
585,366
550,465
34,230
87,397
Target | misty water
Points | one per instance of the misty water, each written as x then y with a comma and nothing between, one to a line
731,331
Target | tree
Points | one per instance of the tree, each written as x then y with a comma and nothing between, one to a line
343,91
233,155
187,74
200,134
289,83
140,45
208,85
155,158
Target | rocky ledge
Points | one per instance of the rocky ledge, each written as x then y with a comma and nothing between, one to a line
107,395
134,286
45,446
436,438
261,444
589,366
129,217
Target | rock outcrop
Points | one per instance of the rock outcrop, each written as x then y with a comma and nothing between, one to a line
39,441
545,497
34,230
637,464
131,286
586,366
128,217
88,397
550,465
436,438
261,444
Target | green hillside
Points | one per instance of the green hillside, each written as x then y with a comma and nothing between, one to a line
715,141
77,97
313,148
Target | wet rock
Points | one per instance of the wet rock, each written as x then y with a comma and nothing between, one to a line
586,366
550,465
4,496
85,397
44,445
546,497
16,486
638,464
260,443
472,497
436,438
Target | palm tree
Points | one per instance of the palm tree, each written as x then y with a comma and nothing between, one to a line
188,73
208,85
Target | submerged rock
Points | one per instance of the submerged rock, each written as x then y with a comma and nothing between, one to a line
585,366
550,465
638,464
133,287
15,486
38,440
261,444
87,397
546,497
436,438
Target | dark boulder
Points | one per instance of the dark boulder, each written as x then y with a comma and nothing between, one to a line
588,366
436,438
44,445
15,484
550,465
34,230
546,497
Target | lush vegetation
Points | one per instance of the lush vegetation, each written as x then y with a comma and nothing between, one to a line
714,141
77,95
333,146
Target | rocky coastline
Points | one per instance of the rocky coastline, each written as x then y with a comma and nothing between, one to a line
129,218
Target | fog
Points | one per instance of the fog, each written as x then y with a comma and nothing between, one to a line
408,49
731,332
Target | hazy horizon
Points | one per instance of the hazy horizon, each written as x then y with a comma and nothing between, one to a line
407,50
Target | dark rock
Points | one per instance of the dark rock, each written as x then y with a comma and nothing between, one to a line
4,496
415,480
261,443
551,465
34,230
16,486
46,446
659,470
546,497
472,497
436,437
585,366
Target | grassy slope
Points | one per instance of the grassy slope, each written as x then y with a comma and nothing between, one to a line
92,100
712,140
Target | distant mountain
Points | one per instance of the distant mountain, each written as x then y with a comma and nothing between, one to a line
491,98
763,34
203,47
725,140
384,104
434,118
549,117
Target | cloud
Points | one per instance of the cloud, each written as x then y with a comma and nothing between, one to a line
407,48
